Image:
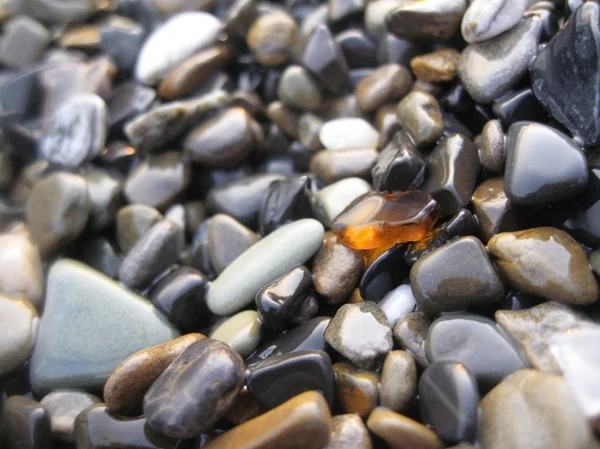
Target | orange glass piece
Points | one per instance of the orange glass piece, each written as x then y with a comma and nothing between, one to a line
379,219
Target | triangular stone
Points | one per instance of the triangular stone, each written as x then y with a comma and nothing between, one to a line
90,324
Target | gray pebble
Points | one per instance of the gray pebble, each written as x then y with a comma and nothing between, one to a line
105,192
23,42
492,147
63,407
297,89
227,239
133,222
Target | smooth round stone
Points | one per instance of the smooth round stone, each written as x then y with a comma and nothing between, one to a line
121,39
129,99
241,198
357,390
133,222
83,37
23,42
309,127
420,116
530,149
242,332
384,274
454,277
287,300
332,200
448,400
400,432
490,69
224,140
125,388
492,147
284,117
190,31
63,406
398,381
90,325
97,424
484,20
548,414
57,12
21,275
397,304
534,328
399,166
267,260
227,240
387,83
410,334
105,193
76,132
547,263
483,350
158,181
208,369
348,432
348,134
279,378
57,211
297,89
335,165
493,210
336,270
359,50
271,37
18,338
302,422
360,332
25,424
438,66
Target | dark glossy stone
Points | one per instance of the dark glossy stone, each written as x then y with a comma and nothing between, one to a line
309,336
208,369
118,155
386,273
456,276
399,166
478,344
453,125
323,58
200,252
358,49
241,198
461,224
494,211
356,390
410,334
99,253
287,200
181,296
518,106
280,302
281,377
530,148
397,50
25,424
97,428
565,74
419,114
448,401
240,17
452,172
105,191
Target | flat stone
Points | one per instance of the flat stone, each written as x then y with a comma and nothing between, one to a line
492,147
454,277
302,422
398,381
399,166
397,304
133,222
484,20
125,388
265,261
121,39
387,83
490,69
494,211
400,432
348,134
24,424
57,211
158,56
18,338
547,263
227,240
335,165
270,38
448,399
242,332
23,42
157,181
105,193
356,390
530,148
360,332
21,275
332,200
156,251
548,415
63,406
435,67
90,325
420,115
348,432
297,89
208,369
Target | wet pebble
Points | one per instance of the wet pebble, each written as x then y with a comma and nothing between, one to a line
493,210
492,147
420,115
271,37
18,338
357,390
387,83
410,334
63,406
242,332
401,432
332,200
227,240
335,165
297,89
397,304
348,432
24,424
133,222
21,275
484,20
398,381
438,66
348,134
399,166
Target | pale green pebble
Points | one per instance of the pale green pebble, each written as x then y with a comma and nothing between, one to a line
242,332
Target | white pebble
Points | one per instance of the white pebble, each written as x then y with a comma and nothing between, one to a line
348,134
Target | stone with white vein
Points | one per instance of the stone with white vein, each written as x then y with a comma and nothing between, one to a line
485,19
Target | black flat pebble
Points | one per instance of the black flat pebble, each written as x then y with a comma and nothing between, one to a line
384,275
399,166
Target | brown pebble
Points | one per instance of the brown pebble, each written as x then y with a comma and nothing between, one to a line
349,432
356,389
284,117
245,408
410,334
125,389
271,38
400,432
437,66
398,380
387,83
81,37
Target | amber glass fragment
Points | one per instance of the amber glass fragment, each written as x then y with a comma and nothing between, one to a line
378,219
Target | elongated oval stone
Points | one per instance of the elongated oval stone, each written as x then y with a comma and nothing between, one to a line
264,262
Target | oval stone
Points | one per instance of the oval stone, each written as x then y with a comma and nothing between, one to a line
18,337
242,332
348,133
